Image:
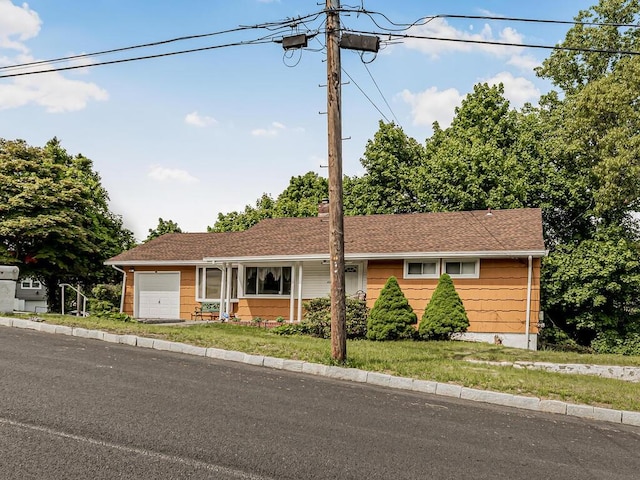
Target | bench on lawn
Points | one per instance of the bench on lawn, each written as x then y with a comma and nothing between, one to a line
208,310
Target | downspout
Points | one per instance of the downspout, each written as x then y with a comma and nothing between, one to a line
229,276
223,290
300,292
528,315
124,286
292,294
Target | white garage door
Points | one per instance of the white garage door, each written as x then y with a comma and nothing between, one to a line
158,295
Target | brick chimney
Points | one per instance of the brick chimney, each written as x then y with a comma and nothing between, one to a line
323,208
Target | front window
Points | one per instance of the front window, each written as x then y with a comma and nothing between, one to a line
210,283
267,281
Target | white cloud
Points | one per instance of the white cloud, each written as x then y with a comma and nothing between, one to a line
432,105
50,90
526,63
518,90
17,21
274,129
163,174
463,42
197,120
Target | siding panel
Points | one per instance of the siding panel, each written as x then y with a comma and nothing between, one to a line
495,302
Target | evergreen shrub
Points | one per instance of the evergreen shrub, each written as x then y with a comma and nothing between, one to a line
445,313
391,317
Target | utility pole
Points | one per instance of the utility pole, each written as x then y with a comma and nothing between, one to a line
336,218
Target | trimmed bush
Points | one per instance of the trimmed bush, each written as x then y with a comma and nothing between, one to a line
445,313
318,317
391,317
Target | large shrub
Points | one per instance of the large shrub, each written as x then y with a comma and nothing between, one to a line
317,318
445,313
391,317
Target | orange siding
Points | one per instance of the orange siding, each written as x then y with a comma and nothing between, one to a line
265,308
187,288
495,302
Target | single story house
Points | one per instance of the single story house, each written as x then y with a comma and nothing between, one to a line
269,270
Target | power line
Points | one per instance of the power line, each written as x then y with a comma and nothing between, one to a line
278,25
365,95
123,49
426,19
146,57
380,92
501,44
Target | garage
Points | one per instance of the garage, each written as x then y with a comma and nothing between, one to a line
158,295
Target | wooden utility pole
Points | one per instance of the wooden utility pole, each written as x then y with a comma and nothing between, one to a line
336,218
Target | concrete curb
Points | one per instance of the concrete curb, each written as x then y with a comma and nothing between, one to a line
350,374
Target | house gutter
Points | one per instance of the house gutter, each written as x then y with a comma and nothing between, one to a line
528,310
124,286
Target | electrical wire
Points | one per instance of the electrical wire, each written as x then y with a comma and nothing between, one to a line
266,26
424,20
396,36
133,59
365,95
380,92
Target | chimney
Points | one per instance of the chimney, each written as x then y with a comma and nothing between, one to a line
323,208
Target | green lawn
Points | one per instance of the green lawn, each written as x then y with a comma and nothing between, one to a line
438,361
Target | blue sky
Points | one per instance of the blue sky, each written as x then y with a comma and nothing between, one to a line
186,137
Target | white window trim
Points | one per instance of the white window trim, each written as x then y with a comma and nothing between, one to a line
462,260
243,294
199,287
30,286
408,275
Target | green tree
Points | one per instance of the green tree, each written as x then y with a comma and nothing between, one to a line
391,317
490,157
164,226
571,70
389,183
592,287
445,313
55,223
299,199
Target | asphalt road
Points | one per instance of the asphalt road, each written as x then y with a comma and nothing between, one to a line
72,408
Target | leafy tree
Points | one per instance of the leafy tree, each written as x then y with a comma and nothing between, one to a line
490,157
388,185
391,317
592,287
55,222
571,70
445,313
299,199
164,226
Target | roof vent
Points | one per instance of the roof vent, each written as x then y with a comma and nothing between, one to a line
489,214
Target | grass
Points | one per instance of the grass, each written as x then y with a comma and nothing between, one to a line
437,361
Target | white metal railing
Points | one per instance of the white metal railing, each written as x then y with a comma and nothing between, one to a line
79,294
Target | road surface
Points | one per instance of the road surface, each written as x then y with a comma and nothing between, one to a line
73,408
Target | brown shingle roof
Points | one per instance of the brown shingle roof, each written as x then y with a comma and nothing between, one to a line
517,230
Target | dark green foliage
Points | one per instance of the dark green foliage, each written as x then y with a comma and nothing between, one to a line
104,300
613,342
55,222
292,329
164,226
391,317
299,199
445,313
318,317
